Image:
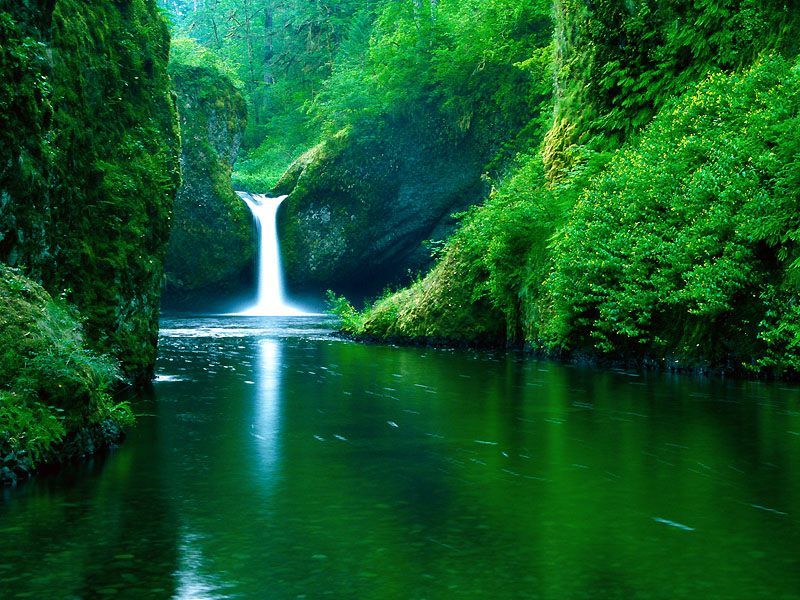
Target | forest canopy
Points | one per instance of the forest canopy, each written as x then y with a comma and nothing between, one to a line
311,69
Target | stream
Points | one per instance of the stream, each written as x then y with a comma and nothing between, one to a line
275,460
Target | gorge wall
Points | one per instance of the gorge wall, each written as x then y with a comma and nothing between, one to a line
89,150
212,243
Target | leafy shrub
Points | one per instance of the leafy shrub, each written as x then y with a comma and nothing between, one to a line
675,246
351,321
51,385
29,432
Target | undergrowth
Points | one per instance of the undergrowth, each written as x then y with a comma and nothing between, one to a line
51,385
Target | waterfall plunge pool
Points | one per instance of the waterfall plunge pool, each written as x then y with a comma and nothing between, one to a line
274,460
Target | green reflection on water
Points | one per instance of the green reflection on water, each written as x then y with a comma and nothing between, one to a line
280,462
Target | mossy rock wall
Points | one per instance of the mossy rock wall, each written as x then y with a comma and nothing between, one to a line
362,204
659,224
212,243
618,62
89,161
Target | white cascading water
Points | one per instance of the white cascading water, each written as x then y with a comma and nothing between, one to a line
271,300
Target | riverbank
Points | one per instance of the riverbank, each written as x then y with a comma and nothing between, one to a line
671,364
57,399
18,466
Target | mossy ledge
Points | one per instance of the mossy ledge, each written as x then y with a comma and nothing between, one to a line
56,394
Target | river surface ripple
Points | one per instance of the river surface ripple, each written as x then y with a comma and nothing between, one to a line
273,460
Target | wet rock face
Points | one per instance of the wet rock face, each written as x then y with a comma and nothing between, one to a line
212,243
361,207
89,168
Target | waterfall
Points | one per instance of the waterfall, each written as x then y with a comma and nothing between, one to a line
271,300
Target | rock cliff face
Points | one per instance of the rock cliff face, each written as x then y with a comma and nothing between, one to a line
617,63
212,242
361,206
89,150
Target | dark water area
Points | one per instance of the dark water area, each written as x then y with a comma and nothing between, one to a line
273,460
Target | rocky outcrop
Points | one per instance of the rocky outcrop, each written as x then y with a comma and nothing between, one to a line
212,242
617,63
55,401
89,168
361,206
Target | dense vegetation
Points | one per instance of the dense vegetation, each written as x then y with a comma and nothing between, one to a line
89,166
55,393
687,242
683,245
642,207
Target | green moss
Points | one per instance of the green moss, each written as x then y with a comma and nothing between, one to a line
445,306
91,137
52,387
212,240
333,208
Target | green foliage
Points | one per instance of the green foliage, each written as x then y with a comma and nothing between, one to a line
619,62
90,161
447,305
29,433
281,52
674,245
287,138
477,69
51,384
484,285
779,330
351,320
187,52
683,245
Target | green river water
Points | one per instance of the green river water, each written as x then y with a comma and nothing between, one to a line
273,460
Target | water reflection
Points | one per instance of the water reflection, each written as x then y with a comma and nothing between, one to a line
266,429
282,462
194,582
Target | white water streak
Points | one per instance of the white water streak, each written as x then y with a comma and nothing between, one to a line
271,300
